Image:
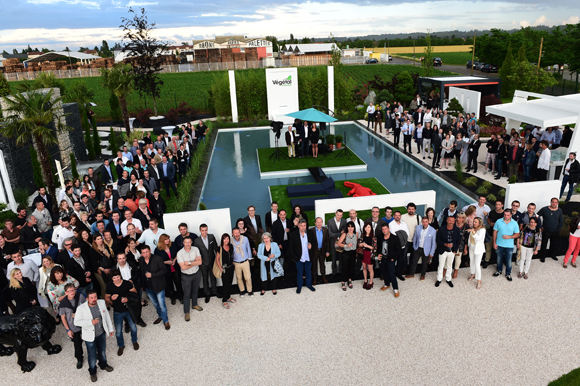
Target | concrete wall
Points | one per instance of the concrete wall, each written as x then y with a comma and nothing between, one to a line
540,193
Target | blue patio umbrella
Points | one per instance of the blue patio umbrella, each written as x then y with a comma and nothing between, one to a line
312,115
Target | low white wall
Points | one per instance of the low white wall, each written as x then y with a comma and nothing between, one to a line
217,220
540,193
427,197
470,100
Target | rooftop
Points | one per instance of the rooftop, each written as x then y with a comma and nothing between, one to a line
60,54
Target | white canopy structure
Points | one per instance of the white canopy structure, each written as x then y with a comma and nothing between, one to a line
50,56
543,111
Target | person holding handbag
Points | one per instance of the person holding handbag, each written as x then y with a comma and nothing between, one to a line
368,242
268,252
225,262
528,245
348,243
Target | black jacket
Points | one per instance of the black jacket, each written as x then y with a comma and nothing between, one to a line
394,248
47,203
24,295
278,231
28,235
436,141
249,224
268,219
574,170
518,157
75,270
207,254
295,246
157,270
473,147
442,239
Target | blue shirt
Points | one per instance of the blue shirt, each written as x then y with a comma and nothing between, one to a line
108,169
165,169
508,229
304,241
319,237
241,247
388,221
129,156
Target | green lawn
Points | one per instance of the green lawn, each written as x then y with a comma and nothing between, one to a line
451,58
266,165
572,378
279,194
363,74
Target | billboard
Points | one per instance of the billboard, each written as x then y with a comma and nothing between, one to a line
282,91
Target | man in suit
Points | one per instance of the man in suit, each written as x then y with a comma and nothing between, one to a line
303,133
115,226
110,198
336,226
271,216
107,173
79,267
253,220
289,137
298,251
208,247
436,140
167,175
46,249
319,239
45,198
96,180
424,246
388,247
473,152
418,117
281,230
375,220
189,148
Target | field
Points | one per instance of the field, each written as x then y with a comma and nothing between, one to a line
419,49
192,87
450,58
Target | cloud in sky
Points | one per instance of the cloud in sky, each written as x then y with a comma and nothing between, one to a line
73,23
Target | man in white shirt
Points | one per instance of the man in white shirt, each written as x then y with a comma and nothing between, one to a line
189,260
151,236
407,131
130,220
412,220
371,114
395,226
336,226
481,208
544,161
271,216
62,232
357,221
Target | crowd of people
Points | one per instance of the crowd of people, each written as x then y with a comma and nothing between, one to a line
84,272
525,154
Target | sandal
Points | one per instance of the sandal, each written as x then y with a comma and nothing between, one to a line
520,275
525,275
350,284
262,293
274,292
478,285
226,306
565,266
471,278
343,287
573,265
232,300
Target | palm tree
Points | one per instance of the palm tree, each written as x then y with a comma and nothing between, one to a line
119,80
28,117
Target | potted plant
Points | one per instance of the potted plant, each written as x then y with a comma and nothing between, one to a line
338,141
330,141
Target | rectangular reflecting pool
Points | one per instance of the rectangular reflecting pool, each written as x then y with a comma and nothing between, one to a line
233,179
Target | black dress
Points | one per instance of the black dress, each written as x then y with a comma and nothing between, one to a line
24,295
228,275
314,136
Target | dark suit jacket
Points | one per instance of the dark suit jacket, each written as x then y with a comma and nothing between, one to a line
294,251
170,171
96,179
207,254
268,218
76,271
442,237
278,232
393,249
47,203
119,170
111,227
105,177
24,295
157,270
52,253
314,241
115,199
334,232
418,117
288,138
473,147
249,224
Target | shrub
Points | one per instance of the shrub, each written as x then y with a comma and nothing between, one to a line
339,138
384,96
113,146
96,138
36,171
459,172
454,107
404,87
330,140
202,206
491,198
73,166
185,109
135,134
172,115
470,182
482,190
487,131
513,179
115,107
143,116
488,185
501,193
21,197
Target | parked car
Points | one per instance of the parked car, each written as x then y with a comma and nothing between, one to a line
437,62
371,61
468,65
489,68
478,66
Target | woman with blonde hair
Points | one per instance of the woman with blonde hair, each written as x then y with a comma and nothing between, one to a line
44,274
23,291
64,210
268,252
84,217
103,259
167,251
461,223
476,249
470,216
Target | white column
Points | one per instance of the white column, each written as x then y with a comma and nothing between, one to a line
6,194
331,88
233,98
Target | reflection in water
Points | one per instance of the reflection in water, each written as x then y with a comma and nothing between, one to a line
238,155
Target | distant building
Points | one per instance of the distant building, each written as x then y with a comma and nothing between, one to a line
309,49
91,52
237,43
349,52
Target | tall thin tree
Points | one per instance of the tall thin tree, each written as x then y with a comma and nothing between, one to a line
120,81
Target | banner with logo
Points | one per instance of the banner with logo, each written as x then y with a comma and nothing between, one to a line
282,90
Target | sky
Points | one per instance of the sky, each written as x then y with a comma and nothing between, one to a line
57,24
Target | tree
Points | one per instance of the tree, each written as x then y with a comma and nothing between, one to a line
105,51
80,94
454,107
120,81
505,71
405,88
4,89
144,51
427,62
28,117
522,54
274,41
115,108
96,138
43,80
527,77
73,166
574,48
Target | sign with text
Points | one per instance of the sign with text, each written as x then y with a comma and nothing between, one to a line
282,90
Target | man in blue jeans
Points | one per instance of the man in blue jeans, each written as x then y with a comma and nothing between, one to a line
299,251
153,280
505,231
117,295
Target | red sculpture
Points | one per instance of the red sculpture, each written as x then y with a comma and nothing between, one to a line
358,190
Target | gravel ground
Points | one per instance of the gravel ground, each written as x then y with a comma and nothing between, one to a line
518,333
